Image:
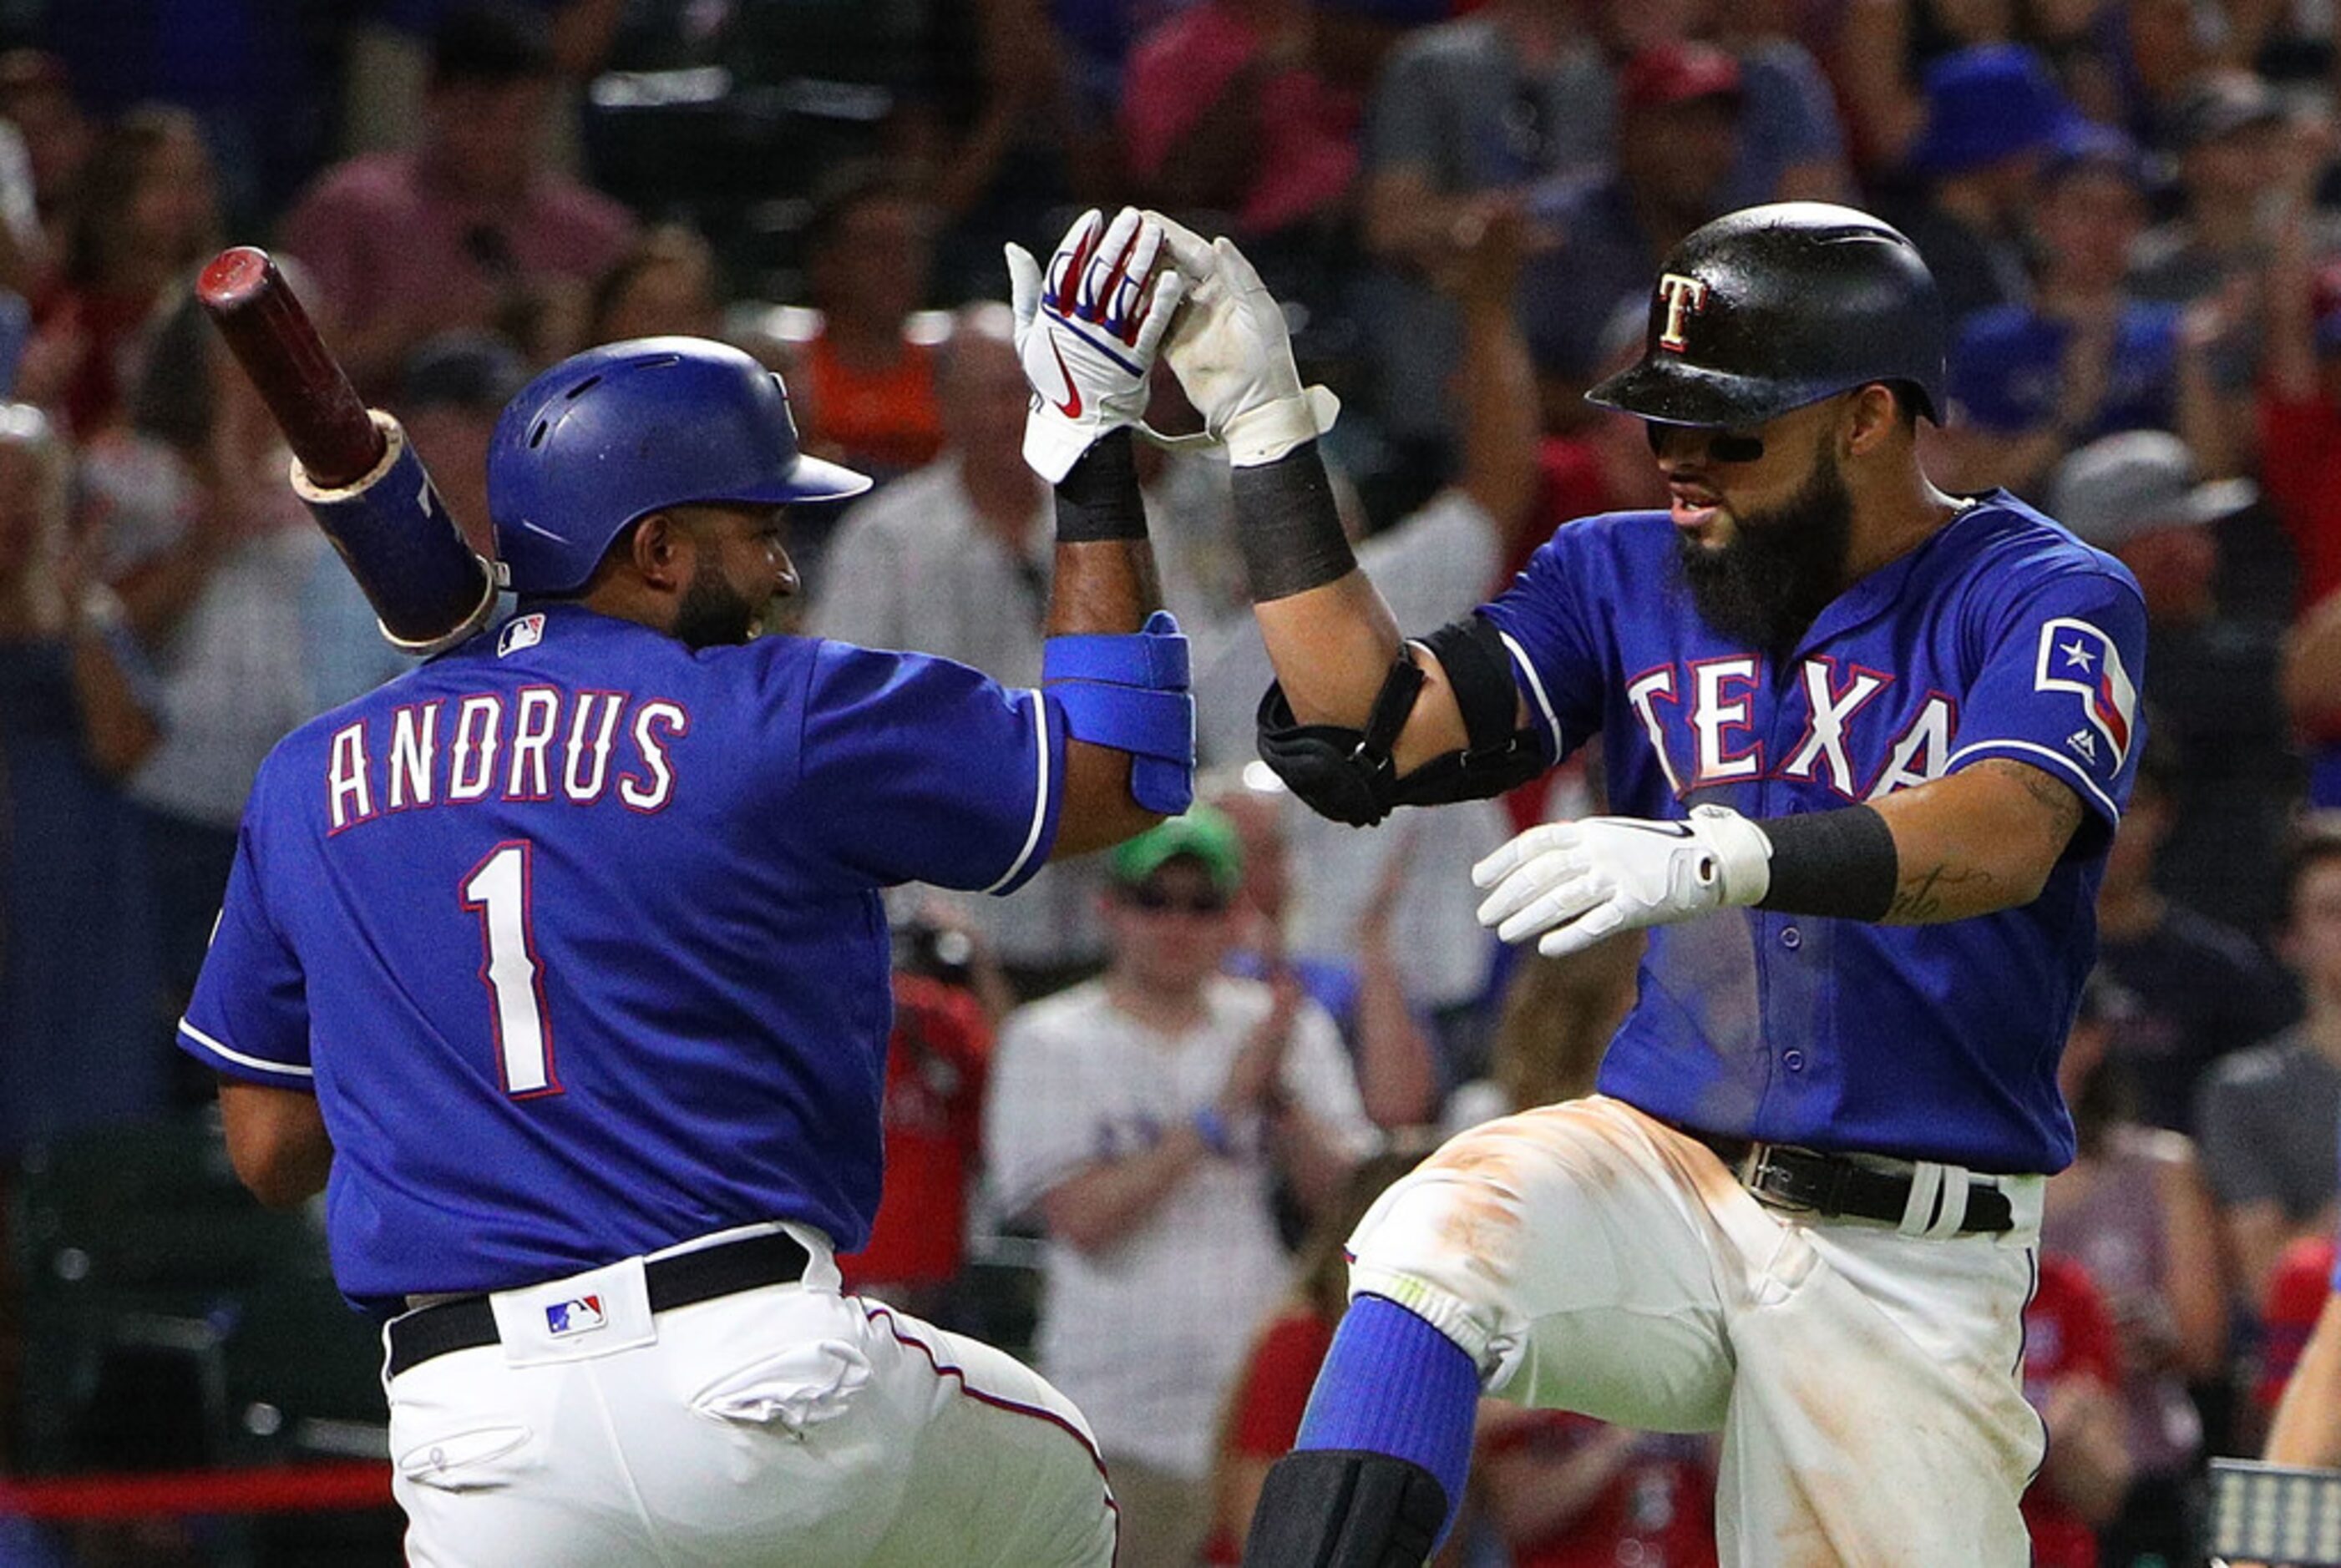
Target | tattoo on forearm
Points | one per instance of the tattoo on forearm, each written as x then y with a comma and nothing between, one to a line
1922,895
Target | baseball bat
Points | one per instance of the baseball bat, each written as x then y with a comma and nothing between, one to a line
351,466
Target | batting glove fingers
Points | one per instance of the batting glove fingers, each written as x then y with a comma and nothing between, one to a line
1572,883
1232,353
1089,327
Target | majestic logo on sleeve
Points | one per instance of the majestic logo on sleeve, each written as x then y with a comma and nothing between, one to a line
1685,297
2077,656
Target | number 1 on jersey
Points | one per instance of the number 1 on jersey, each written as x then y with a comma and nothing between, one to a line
497,890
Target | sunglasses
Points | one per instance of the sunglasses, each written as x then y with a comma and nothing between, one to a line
1156,900
1722,445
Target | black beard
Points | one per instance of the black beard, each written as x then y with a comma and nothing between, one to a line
1767,586
711,612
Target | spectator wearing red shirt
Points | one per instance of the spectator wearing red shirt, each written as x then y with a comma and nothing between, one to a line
470,230
1567,1491
2297,1290
2300,460
1264,1414
936,1062
1227,106
2071,1365
146,216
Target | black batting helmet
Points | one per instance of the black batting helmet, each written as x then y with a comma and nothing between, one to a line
1771,308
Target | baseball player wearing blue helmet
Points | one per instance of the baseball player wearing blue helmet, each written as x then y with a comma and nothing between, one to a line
1866,742
558,964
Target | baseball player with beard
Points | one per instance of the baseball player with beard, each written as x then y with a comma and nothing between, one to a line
559,965
1868,742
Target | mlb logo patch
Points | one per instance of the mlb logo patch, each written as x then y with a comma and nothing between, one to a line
521,632
582,1316
2077,658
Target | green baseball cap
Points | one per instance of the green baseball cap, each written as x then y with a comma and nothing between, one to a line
1204,833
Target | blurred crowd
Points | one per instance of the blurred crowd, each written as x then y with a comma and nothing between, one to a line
2133,208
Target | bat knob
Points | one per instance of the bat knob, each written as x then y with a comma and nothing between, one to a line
233,278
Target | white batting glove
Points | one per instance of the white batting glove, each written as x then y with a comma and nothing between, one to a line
1232,352
1578,882
1088,330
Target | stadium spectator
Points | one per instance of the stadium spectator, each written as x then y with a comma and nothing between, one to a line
868,391
468,230
1263,1408
937,1060
2029,383
1990,114
2287,1314
2070,1363
2299,412
1791,144
1468,113
2197,988
1390,1049
2133,1211
1884,61
2211,673
1227,105
450,390
229,587
78,1045
38,99
1143,1116
146,216
1678,122
2267,1114
2229,134
664,286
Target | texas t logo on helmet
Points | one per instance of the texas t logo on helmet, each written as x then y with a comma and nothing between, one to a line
1685,297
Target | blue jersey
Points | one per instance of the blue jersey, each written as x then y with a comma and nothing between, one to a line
576,933
2000,636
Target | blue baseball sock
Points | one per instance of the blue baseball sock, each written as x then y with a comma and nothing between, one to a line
1394,1384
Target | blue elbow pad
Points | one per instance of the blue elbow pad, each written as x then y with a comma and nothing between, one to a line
1131,691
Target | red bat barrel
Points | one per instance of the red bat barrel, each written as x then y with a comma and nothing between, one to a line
324,420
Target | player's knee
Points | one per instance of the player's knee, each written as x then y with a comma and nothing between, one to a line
1346,1508
1439,1242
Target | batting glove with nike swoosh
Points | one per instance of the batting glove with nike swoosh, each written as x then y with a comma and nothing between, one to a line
1578,882
1087,330
1232,352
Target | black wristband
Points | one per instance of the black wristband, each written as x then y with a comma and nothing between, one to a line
1288,527
1099,498
1841,863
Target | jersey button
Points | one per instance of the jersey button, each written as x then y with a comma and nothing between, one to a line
1793,1059
1792,938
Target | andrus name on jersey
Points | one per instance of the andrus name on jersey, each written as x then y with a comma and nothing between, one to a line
538,743
1705,709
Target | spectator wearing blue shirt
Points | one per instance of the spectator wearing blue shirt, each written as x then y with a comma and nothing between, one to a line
2084,358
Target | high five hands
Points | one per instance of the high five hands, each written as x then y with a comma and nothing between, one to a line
1089,326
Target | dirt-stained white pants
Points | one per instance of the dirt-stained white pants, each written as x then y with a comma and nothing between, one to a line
1868,1384
788,1424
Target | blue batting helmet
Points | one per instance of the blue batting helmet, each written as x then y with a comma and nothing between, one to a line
609,436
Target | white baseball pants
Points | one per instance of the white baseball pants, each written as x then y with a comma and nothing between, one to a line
788,1424
1868,1384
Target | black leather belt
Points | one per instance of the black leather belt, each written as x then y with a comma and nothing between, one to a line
468,1322
1835,1187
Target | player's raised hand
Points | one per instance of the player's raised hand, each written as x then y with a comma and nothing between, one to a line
1572,883
1088,329
1232,353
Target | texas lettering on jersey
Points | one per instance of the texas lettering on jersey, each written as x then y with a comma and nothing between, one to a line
1697,717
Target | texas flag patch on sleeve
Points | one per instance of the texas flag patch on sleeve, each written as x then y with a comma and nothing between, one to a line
2077,656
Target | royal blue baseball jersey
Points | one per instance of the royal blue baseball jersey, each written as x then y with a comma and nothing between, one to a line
576,935
2000,636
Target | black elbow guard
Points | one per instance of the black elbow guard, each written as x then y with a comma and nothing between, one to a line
1348,774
